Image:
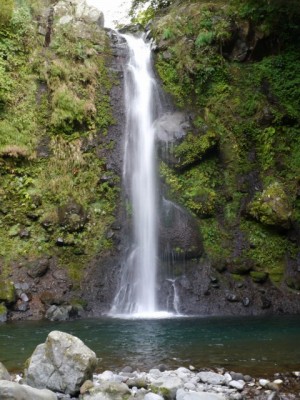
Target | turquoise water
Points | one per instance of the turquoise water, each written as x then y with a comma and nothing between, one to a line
259,346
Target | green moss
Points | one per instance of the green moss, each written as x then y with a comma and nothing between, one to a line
194,147
7,292
54,108
216,242
272,206
268,249
161,391
258,276
237,277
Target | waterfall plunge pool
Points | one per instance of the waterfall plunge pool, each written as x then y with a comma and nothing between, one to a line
254,345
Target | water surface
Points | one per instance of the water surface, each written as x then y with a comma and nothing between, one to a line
255,345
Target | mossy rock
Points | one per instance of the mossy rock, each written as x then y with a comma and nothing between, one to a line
239,266
272,206
7,292
259,276
237,277
194,147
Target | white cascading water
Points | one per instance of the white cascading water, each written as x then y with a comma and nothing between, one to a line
137,293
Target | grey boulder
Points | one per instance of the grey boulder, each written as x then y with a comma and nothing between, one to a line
15,391
62,364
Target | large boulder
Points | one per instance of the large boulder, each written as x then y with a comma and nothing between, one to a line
62,364
15,391
72,216
272,206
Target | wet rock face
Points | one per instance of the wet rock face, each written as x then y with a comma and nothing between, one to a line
201,290
179,234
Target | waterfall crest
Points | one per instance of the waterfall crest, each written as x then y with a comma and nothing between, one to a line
137,291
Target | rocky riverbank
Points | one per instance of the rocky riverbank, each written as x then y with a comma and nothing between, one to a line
64,368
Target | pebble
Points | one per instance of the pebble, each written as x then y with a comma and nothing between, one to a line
239,385
263,382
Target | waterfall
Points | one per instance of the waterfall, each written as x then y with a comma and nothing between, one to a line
137,291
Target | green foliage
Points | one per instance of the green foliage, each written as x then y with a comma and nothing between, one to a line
6,10
68,111
272,206
275,16
50,98
167,34
216,241
194,147
204,39
268,249
142,11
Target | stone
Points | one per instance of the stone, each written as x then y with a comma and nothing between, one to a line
72,216
272,206
236,376
182,395
236,396
263,382
272,386
4,375
155,373
59,313
153,396
247,378
162,367
106,376
21,306
108,391
87,385
167,385
138,382
15,391
212,378
232,297
227,377
239,385
62,364
38,268
190,386
24,297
